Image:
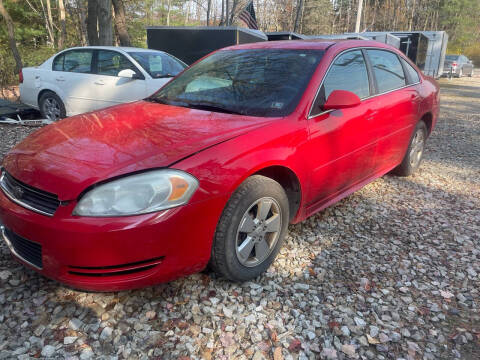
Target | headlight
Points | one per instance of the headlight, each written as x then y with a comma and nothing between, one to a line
138,194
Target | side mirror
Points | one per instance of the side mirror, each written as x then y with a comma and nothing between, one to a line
341,99
127,73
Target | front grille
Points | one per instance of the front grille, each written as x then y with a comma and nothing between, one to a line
34,199
27,250
115,270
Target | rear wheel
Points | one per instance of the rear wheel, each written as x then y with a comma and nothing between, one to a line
413,157
51,106
251,230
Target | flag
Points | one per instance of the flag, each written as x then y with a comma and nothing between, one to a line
248,16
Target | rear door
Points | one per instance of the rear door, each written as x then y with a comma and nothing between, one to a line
342,142
109,88
396,104
72,73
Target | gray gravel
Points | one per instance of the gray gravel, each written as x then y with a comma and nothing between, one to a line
391,272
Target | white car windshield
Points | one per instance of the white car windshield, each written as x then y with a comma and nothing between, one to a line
254,82
157,64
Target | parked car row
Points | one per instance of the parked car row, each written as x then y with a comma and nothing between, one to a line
457,66
213,167
84,79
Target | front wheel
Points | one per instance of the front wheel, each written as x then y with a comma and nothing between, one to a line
251,229
413,157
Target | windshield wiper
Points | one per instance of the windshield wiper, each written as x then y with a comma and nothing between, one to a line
208,107
164,76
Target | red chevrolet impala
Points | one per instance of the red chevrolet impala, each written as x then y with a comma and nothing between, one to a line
213,167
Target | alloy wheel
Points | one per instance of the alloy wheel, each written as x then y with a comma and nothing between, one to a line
51,109
258,232
416,150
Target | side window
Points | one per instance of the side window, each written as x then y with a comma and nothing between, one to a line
112,62
387,69
79,61
348,72
58,63
412,73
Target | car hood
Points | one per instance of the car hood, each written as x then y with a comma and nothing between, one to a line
65,158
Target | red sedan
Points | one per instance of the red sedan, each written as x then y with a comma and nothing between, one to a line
213,167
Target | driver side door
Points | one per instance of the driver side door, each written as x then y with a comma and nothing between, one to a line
342,142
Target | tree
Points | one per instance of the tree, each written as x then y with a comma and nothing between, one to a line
63,26
99,22
120,23
11,37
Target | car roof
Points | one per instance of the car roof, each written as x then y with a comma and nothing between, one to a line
122,48
316,44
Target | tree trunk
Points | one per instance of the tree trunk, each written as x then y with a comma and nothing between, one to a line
168,11
209,5
227,12
105,33
92,23
232,13
50,23
298,16
222,18
120,23
63,29
411,17
11,37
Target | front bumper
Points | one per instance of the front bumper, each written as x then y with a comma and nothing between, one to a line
116,253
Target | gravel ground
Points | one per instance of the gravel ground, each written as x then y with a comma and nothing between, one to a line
391,272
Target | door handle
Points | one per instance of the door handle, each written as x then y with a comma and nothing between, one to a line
371,115
60,78
99,82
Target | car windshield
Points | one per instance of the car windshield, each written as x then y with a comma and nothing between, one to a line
451,57
157,64
253,82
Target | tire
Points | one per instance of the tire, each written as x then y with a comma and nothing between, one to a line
460,73
471,73
414,154
51,106
239,228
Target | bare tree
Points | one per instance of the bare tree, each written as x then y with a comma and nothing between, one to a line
63,27
209,6
298,16
105,33
120,23
92,22
11,37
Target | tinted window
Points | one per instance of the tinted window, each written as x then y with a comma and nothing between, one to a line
79,61
255,82
348,72
158,65
387,69
412,73
451,57
58,63
112,62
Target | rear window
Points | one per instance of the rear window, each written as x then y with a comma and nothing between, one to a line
451,57
79,61
387,70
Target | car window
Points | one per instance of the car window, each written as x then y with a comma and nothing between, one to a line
253,82
79,61
112,62
387,70
412,73
158,65
348,72
58,63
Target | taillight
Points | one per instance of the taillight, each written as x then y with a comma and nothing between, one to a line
20,77
454,64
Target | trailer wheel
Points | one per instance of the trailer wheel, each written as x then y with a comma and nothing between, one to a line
51,106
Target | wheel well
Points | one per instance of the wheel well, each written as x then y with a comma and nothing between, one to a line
427,119
289,181
43,92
